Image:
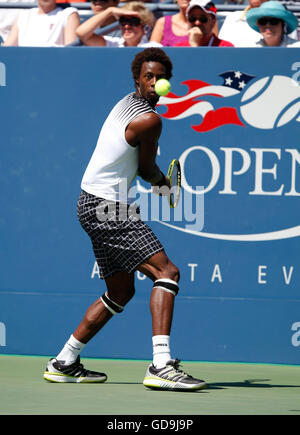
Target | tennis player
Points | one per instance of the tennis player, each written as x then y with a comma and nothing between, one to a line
122,242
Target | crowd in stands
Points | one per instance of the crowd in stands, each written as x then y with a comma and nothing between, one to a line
262,23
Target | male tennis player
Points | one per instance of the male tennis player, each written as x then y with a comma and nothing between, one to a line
127,146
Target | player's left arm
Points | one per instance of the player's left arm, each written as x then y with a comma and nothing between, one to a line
144,132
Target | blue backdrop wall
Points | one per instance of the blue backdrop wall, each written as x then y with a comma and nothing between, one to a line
233,121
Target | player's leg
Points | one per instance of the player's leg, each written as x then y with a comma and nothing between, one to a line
66,366
120,289
164,373
160,269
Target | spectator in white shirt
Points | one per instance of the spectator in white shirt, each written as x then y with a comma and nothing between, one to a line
8,16
44,26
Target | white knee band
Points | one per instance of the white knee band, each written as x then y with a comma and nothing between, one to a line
167,285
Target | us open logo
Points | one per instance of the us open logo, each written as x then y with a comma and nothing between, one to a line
257,176
276,97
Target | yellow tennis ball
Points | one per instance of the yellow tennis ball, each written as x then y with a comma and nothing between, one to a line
162,87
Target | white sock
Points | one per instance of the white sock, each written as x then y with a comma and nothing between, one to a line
70,351
161,350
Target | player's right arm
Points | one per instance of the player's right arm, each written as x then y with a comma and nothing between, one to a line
144,132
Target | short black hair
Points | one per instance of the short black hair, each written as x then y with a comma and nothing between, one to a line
152,54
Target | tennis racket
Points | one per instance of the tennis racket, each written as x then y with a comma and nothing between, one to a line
174,175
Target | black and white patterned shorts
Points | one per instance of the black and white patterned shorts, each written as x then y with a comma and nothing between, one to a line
121,240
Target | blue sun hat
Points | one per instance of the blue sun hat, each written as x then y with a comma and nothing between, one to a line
272,9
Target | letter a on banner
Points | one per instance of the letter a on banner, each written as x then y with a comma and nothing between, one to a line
216,274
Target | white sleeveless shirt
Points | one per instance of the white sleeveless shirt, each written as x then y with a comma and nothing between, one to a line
114,163
43,30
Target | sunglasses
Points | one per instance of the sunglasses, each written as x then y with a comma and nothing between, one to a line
132,21
271,21
203,19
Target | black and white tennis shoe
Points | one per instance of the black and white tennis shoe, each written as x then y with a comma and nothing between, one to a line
171,377
56,371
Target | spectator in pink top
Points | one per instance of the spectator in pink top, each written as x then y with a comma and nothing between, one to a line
201,15
172,29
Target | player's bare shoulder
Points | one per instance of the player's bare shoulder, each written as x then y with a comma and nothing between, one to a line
147,125
147,122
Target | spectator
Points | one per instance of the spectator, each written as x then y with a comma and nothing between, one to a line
8,16
232,2
172,29
202,16
98,6
296,3
44,26
135,22
273,21
236,30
